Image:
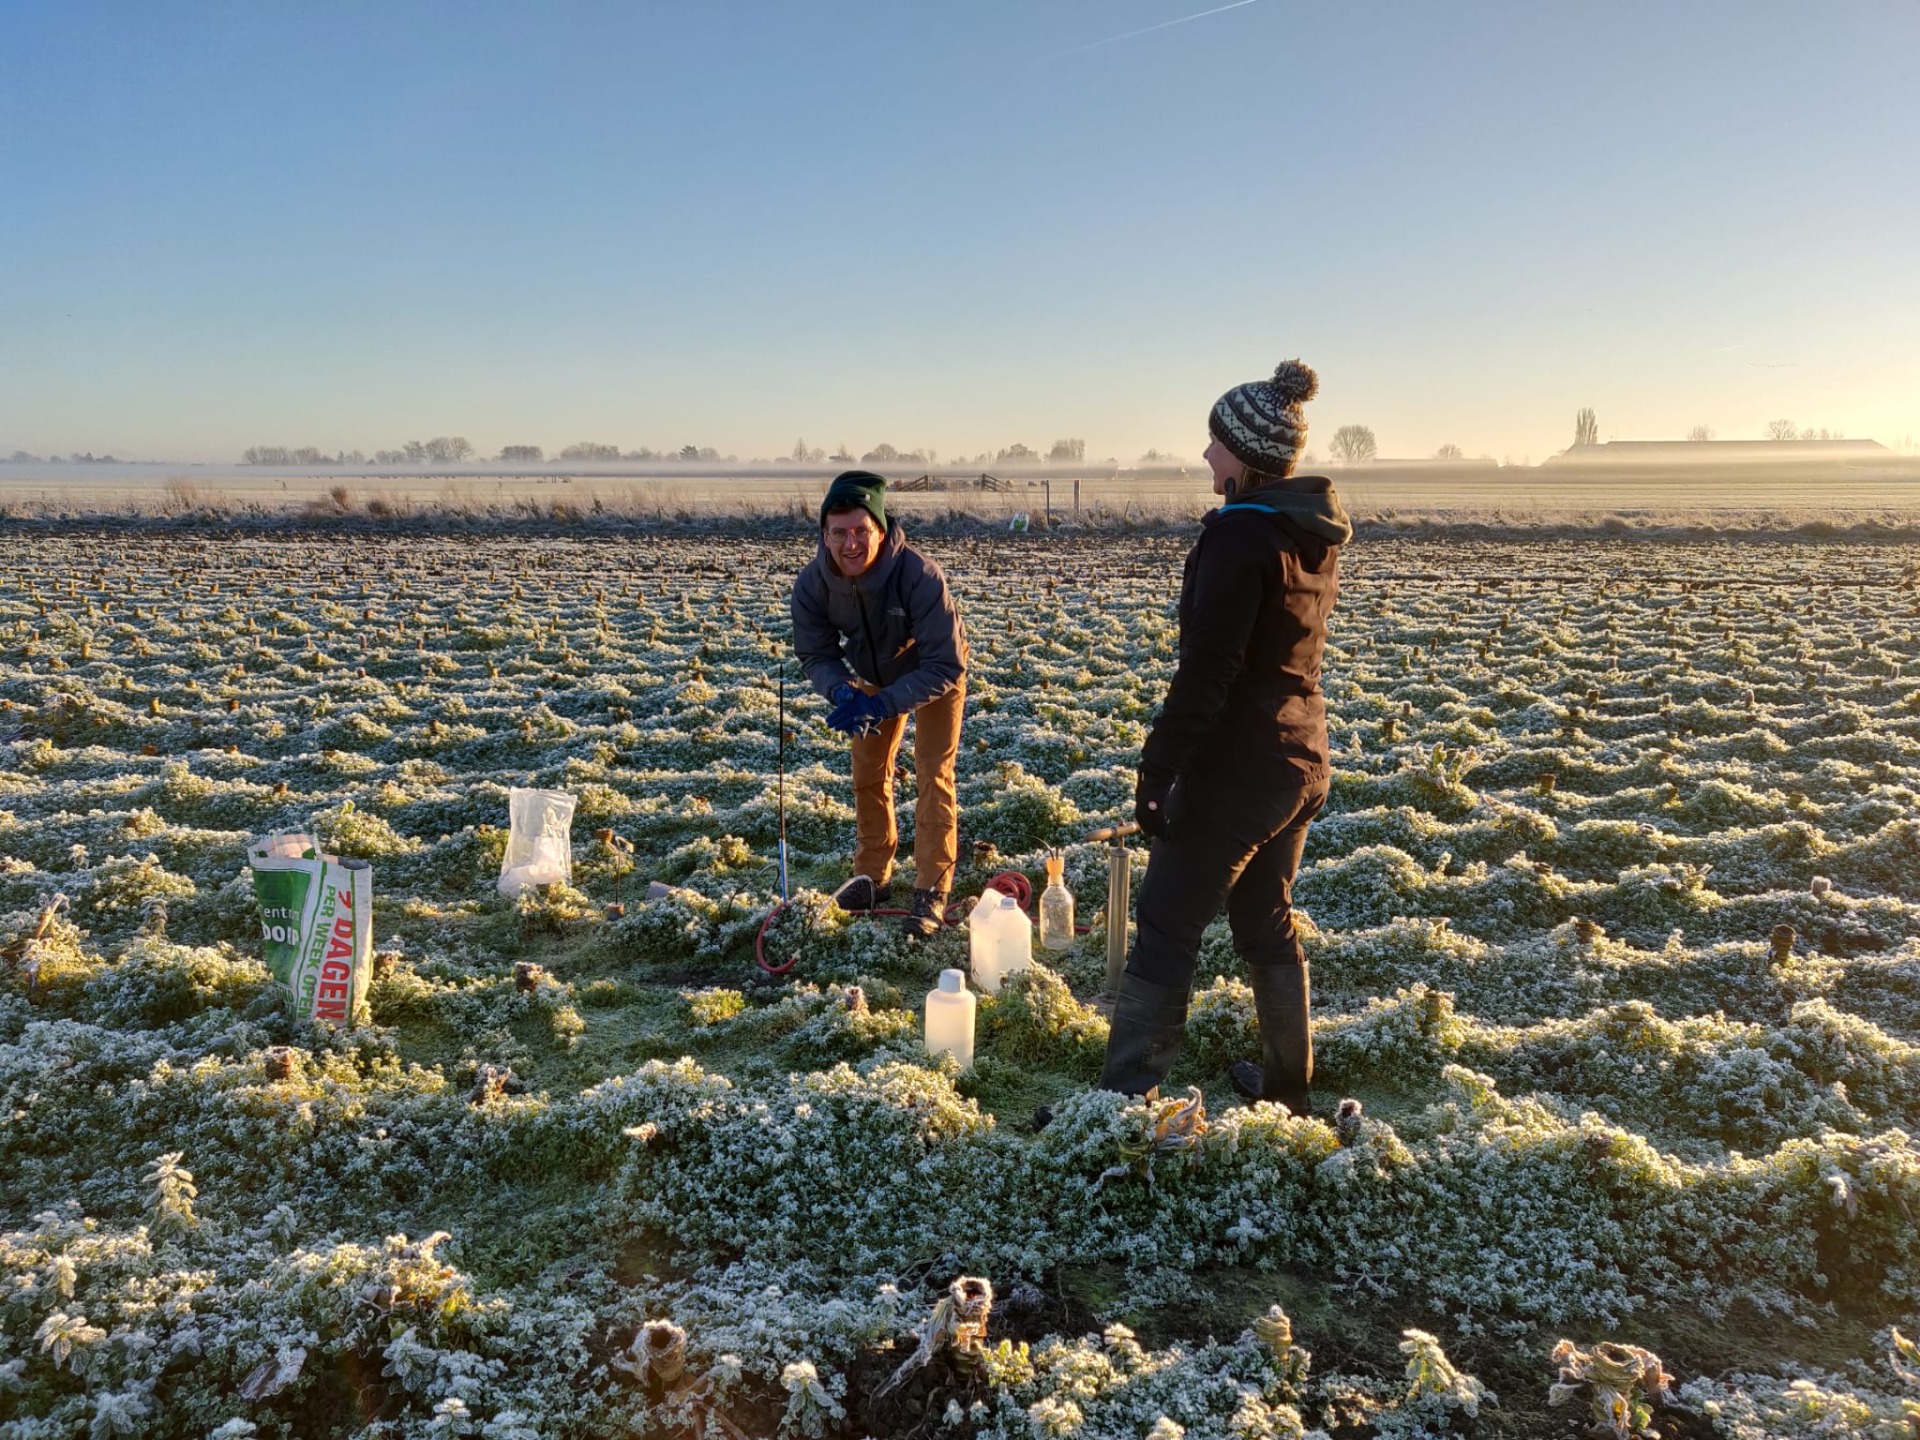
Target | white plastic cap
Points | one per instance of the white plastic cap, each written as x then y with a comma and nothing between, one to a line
953,981
1007,902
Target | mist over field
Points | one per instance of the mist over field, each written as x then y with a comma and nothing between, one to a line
1765,486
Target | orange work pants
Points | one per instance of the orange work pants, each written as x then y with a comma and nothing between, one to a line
936,813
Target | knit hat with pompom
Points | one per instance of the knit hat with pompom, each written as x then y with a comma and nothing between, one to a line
1260,422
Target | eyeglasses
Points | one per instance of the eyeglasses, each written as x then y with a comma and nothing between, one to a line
850,539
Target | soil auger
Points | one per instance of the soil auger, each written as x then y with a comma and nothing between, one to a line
1119,902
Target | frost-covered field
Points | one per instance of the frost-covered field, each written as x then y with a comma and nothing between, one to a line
1616,935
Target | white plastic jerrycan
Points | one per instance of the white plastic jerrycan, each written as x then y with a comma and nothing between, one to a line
999,940
950,1019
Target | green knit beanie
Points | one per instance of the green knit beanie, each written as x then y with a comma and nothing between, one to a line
857,489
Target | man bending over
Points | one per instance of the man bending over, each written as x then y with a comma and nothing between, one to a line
879,635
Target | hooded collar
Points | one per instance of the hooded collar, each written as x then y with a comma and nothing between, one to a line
875,576
1310,501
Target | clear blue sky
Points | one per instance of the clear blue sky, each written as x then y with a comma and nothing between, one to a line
734,224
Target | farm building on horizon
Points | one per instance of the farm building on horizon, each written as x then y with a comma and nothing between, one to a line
1723,452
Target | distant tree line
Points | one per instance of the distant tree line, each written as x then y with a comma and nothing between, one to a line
1351,444
299,455
452,449
1063,452
78,457
593,452
441,450
1784,430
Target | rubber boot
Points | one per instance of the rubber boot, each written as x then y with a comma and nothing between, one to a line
1282,1001
1149,1026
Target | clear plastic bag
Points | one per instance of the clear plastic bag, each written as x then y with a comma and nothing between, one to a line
540,843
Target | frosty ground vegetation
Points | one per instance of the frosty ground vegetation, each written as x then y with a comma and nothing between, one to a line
1615,914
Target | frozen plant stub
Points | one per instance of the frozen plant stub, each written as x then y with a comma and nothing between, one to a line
1433,1378
492,1082
657,1358
958,1323
1179,1126
658,1352
1627,1382
1346,1122
270,1377
1275,1331
25,951
1781,941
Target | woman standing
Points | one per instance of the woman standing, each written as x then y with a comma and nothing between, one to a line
1236,766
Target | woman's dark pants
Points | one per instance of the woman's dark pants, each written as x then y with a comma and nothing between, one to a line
1231,840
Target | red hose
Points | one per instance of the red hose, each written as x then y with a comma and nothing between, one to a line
1007,882
1012,882
760,945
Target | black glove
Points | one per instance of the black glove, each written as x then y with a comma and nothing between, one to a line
1150,793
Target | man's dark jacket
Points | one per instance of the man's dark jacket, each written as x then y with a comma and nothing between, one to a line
895,626
1254,601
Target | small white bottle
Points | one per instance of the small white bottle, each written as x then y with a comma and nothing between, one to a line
1056,908
950,1019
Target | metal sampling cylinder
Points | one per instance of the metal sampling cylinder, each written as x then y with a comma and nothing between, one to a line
1119,897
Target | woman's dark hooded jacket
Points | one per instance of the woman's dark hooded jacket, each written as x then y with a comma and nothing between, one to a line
1254,600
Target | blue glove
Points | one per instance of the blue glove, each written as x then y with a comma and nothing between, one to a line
841,699
860,715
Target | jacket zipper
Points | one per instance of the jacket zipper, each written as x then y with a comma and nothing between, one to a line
866,633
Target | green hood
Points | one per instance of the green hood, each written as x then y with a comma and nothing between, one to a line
1310,501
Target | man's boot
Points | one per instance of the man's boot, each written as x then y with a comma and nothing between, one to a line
860,895
1149,1027
928,914
1281,1000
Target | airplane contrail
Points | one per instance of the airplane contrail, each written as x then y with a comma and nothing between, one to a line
1147,30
